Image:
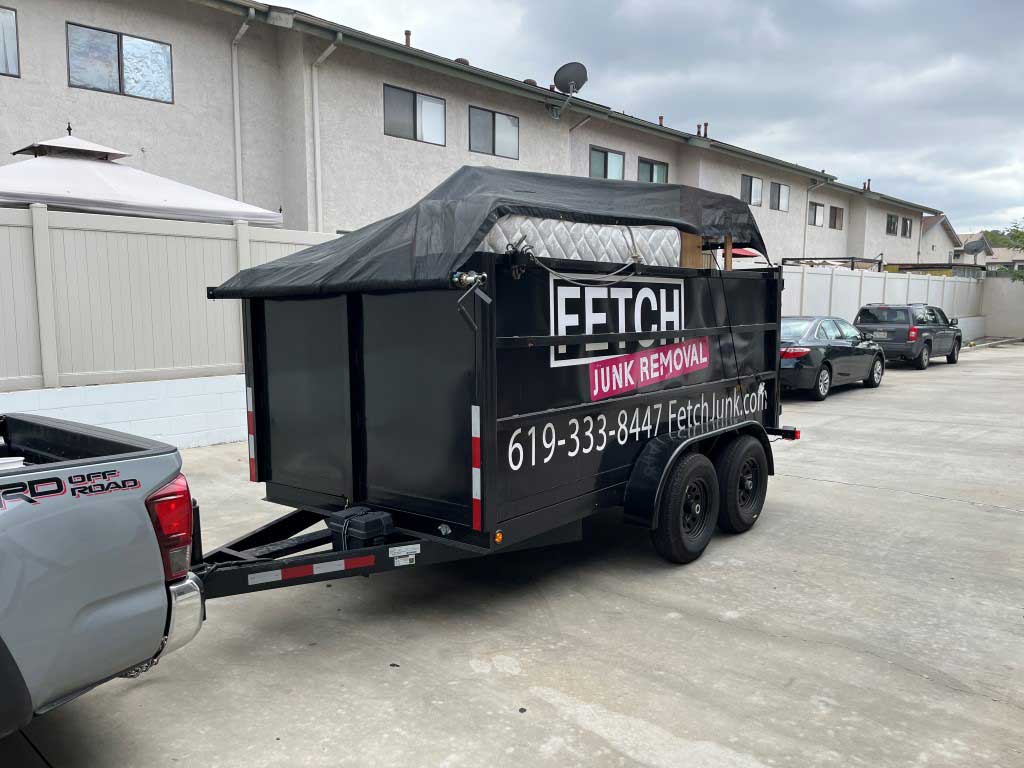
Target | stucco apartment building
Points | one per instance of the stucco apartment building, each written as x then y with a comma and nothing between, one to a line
339,128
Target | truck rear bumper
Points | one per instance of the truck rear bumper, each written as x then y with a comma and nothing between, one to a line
186,613
899,349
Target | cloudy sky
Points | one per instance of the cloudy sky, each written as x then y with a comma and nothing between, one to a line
925,98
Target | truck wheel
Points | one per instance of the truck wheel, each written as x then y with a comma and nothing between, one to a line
822,383
743,483
954,356
922,360
689,510
875,376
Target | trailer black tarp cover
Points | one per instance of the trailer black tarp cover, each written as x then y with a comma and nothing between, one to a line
420,247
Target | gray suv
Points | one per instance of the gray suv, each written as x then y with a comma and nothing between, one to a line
913,332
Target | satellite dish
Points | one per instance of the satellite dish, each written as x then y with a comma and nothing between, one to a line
974,247
570,77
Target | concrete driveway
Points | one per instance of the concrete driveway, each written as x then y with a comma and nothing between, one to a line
873,617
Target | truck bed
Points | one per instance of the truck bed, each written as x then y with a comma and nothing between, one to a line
43,440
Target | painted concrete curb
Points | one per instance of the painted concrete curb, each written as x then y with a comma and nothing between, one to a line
991,344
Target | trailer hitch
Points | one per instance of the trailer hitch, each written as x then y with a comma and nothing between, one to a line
472,282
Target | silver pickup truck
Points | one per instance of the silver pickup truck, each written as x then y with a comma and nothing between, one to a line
95,546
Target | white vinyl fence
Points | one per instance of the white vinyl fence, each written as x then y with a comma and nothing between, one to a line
94,299
841,292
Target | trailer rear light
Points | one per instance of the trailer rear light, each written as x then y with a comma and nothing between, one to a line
912,333
787,353
170,509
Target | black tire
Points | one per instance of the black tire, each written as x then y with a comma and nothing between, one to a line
742,483
923,358
822,383
689,510
954,356
875,374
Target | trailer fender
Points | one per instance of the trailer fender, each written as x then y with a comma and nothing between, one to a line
642,497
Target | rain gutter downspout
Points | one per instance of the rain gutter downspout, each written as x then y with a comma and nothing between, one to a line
815,185
235,101
317,170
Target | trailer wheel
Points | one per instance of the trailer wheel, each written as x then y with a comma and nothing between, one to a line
689,510
743,483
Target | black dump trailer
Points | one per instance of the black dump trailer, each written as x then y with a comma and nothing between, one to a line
486,369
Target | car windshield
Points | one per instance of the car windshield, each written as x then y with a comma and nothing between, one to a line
882,316
794,327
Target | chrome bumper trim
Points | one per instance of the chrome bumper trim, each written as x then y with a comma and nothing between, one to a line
186,619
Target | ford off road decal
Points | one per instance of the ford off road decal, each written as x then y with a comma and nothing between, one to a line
581,306
78,485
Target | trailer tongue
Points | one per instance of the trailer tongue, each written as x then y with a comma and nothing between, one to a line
488,368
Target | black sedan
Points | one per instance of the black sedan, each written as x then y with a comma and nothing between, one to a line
818,353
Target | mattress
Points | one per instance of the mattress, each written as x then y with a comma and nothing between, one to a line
557,239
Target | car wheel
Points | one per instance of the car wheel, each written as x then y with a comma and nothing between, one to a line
877,371
742,482
922,360
689,510
954,356
822,383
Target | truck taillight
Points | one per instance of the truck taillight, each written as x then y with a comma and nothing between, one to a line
170,509
912,333
787,353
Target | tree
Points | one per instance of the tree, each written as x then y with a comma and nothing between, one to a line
1015,235
1016,275
996,238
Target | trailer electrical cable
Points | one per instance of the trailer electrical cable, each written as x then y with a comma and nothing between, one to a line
635,256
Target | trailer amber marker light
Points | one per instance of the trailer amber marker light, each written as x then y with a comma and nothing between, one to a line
499,537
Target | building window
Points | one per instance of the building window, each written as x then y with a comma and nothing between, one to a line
835,217
750,189
493,133
778,196
411,115
652,171
816,214
114,63
892,223
9,64
908,227
606,163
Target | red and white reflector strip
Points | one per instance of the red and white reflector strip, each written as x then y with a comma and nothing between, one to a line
477,500
250,418
314,569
